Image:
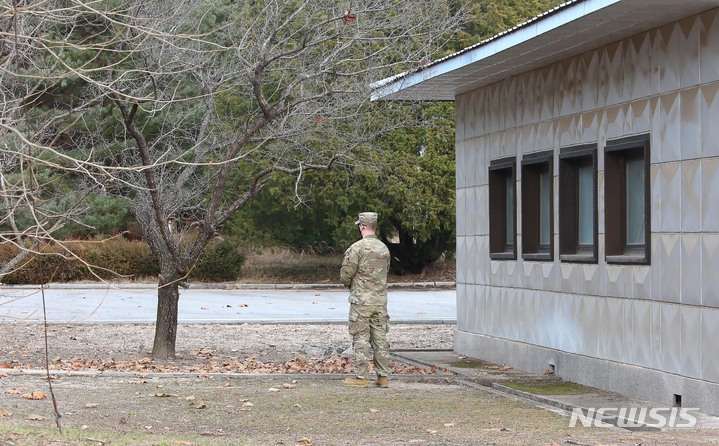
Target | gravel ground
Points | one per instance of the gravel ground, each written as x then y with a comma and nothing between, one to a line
76,346
302,409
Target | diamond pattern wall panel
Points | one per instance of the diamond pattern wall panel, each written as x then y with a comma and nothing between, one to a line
482,259
589,126
671,197
477,163
641,333
671,273
470,115
710,186
462,212
460,113
589,325
615,325
616,283
545,92
588,81
708,48
526,100
656,334
709,104
691,178
667,127
690,123
462,254
710,267
611,75
470,269
691,342
639,117
642,282
664,50
462,292
691,269
461,153
687,54
671,339
478,324
638,67
709,336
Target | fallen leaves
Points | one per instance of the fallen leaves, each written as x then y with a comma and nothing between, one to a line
33,396
204,361
304,441
501,368
4,413
198,404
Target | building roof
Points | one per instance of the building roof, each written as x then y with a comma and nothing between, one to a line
572,28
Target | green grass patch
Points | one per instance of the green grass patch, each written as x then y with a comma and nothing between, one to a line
469,363
548,387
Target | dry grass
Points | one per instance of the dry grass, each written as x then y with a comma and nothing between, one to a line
282,265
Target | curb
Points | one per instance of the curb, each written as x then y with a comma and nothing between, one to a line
229,286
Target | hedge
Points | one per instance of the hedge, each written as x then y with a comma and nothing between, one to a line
113,259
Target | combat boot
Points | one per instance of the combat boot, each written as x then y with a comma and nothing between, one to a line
355,382
382,381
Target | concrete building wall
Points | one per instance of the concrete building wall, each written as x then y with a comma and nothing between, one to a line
651,331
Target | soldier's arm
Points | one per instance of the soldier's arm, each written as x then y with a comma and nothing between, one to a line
350,263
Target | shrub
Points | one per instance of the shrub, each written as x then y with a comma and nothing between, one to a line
112,259
53,264
122,257
221,261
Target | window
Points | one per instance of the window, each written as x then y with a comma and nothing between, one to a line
502,209
538,206
578,204
627,200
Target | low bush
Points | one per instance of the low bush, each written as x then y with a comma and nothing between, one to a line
51,263
113,259
120,257
221,261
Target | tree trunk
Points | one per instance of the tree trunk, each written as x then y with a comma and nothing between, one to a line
168,297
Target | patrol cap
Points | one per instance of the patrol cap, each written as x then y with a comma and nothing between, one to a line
367,218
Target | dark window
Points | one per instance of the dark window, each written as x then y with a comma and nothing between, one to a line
627,200
502,209
578,204
538,206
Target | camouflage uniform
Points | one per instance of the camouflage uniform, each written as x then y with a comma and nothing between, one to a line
364,271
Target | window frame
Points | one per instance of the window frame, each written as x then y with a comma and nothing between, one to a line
571,159
616,153
500,172
532,166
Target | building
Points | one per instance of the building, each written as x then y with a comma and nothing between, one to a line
587,181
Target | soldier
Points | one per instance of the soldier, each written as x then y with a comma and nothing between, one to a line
364,272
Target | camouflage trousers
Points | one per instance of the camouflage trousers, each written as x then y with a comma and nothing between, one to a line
368,325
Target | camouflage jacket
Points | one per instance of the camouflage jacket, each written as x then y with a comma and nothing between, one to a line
364,271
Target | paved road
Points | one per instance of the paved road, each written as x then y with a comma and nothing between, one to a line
138,304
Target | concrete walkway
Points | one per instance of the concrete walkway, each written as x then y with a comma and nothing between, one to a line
589,406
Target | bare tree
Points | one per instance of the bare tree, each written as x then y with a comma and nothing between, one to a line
192,107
